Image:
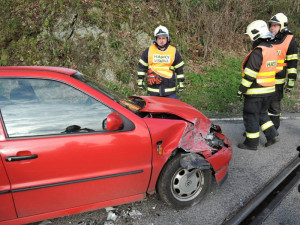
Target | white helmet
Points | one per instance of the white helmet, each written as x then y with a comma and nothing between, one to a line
258,29
280,19
161,31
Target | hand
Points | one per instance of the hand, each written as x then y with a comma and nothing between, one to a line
141,85
153,78
289,86
240,95
180,86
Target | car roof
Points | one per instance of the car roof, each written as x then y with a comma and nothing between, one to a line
61,70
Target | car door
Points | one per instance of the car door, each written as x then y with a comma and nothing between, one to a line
56,153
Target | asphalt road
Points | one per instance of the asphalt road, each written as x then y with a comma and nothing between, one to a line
249,172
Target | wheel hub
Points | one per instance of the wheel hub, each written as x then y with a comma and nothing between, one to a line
187,184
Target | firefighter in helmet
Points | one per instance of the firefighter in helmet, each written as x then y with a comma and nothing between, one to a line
286,46
258,86
160,67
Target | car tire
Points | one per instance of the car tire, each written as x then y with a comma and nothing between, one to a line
181,188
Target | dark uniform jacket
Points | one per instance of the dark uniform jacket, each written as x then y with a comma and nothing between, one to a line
167,86
252,66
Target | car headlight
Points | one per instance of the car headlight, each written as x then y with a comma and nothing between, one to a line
213,141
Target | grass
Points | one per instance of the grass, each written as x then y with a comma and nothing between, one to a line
214,90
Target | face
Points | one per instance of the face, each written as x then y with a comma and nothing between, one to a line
274,28
161,41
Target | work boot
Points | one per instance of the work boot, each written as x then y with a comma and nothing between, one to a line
247,147
272,141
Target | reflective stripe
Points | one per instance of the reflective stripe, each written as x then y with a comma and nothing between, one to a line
179,65
153,90
267,74
180,76
246,83
252,135
262,90
280,61
292,57
157,90
271,114
141,73
250,72
280,81
267,125
279,68
265,80
292,70
143,62
170,89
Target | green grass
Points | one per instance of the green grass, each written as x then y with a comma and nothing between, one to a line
215,89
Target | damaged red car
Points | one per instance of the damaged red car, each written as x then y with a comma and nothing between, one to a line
69,144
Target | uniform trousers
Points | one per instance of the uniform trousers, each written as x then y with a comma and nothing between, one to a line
255,116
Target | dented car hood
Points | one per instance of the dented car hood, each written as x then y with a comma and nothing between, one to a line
171,106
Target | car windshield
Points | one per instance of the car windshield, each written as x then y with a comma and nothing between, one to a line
117,97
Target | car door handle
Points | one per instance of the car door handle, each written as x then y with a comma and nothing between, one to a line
19,158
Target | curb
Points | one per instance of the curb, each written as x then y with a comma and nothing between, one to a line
241,118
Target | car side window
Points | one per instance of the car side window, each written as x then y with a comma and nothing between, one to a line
33,107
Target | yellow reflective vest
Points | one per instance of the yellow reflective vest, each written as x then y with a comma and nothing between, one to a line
161,61
265,77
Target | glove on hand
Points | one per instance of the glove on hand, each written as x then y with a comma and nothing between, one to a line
180,86
240,95
289,86
141,84
153,79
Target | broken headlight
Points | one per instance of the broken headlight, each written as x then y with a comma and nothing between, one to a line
213,141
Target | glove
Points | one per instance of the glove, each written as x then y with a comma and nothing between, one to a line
141,84
180,86
289,86
240,95
153,79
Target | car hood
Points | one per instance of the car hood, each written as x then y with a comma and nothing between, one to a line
171,106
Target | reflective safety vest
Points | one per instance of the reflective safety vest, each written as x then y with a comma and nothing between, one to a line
161,61
265,77
281,51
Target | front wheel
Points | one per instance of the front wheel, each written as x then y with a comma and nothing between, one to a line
182,188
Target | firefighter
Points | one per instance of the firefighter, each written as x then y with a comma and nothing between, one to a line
160,68
286,47
258,86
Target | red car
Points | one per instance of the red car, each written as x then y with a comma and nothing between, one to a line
68,145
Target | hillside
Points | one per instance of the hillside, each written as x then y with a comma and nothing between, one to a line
105,39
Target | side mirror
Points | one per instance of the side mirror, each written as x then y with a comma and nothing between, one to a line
112,122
